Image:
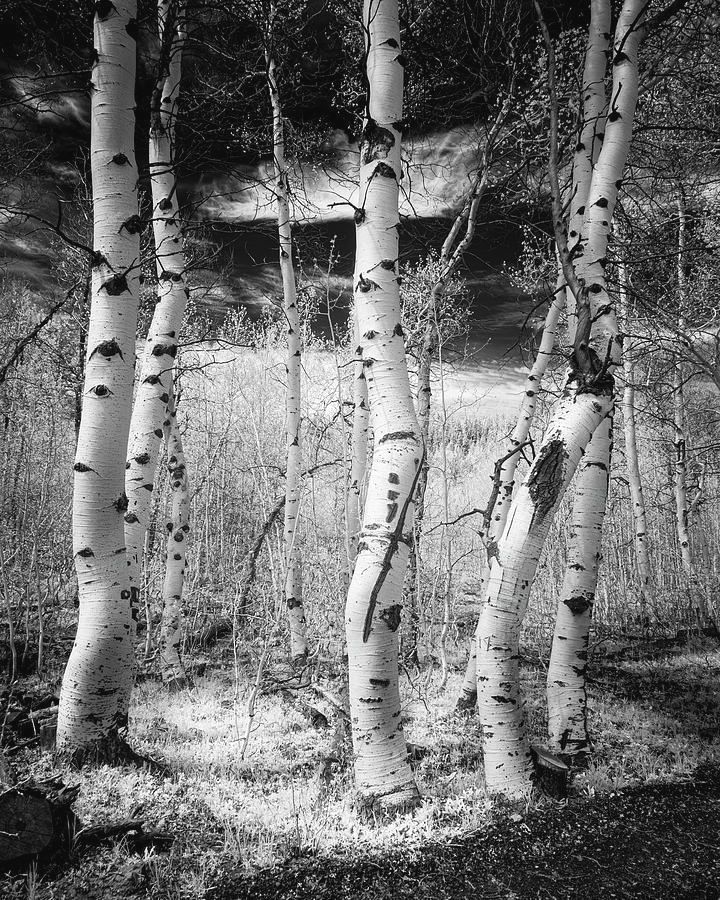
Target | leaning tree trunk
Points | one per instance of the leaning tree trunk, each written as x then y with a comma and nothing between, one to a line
506,753
587,148
382,772
155,382
589,399
502,495
171,666
97,681
293,368
566,695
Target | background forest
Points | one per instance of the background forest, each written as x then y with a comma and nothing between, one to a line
555,299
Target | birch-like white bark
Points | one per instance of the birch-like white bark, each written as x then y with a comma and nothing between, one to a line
506,752
589,390
632,459
679,425
590,140
358,449
155,382
293,368
566,694
382,773
171,666
97,681
520,433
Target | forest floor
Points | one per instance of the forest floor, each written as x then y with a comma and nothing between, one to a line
641,820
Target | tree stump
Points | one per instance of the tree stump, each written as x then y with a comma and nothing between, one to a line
36,819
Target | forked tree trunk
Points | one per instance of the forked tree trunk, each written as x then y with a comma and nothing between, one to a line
382,773
293,368
97,681
588,400
156,373
566,694
506,753
171,666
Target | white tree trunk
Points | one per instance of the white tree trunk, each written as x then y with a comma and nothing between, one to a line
507,761
97,681
382,772
506,486
589,399
293,368
590,139
566,695
156,373
171,666
358,450
637,499
679,439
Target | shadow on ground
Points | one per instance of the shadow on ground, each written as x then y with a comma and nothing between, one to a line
661,841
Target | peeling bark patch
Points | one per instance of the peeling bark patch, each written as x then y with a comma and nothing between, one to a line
108,349
377,142
578,605
546,479
391,512
116,285
397,436
133,225
391,616
165,350
103,8
383,170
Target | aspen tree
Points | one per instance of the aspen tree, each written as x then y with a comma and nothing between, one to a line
679,429
637,499
502,495
155,382
382,773
293,369
566,695
587,148
97,680
171,666
587,400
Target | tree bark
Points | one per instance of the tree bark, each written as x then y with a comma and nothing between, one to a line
566,695
507,760
97,681
588,400
171,666
498,514
155,383
382,773
293,369
637,499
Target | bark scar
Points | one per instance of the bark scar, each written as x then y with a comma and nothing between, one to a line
392,546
